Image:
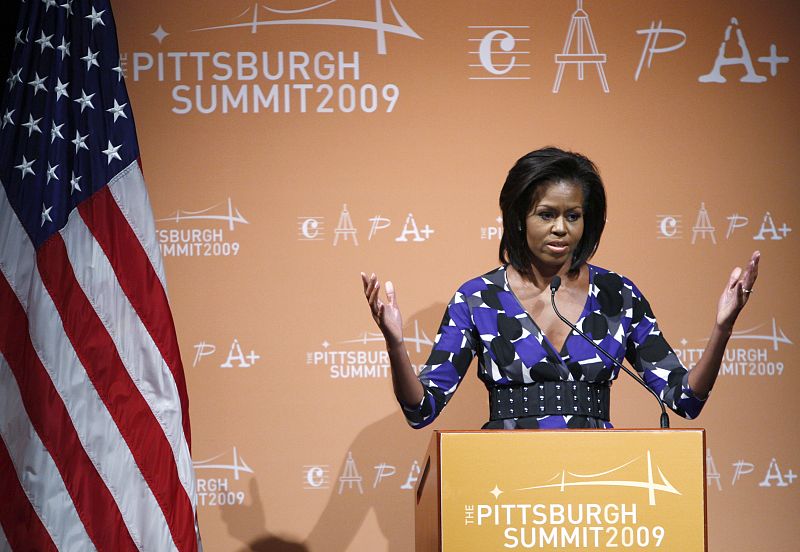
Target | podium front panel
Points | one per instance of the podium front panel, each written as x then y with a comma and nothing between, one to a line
577,489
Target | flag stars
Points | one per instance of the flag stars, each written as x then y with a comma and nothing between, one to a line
90,58
118,71
14,78
117,110
48,4
7,118
61,89
85,100
38,83
51,172
67,6
96,17
111,152
44,41
25,167
18,39
63,48
80,141
46,214
55,132
74,183
32,125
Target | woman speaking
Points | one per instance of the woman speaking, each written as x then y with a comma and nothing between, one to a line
541,373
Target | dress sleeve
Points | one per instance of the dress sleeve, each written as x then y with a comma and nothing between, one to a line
650,354
447,364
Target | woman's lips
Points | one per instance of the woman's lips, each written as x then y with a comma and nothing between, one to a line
557,247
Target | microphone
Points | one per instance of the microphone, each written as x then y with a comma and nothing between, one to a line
555,283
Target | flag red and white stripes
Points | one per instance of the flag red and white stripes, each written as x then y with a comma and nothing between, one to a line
95,433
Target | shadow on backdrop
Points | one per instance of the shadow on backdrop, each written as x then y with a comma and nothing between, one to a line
378,472
250,527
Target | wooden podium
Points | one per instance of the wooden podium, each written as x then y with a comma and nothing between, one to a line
487,491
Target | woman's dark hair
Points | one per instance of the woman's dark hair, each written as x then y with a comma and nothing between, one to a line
531,172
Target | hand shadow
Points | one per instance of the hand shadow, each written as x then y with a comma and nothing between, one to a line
249,526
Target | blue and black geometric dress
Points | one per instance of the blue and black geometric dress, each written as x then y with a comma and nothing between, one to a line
486,319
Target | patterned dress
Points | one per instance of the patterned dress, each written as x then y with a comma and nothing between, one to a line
486,319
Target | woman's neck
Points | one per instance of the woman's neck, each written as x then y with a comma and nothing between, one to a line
541,275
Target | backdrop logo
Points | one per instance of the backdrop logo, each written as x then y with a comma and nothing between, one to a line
216,489
580,49
348,361
708,228
204,80
499,52
650,45
772,337
743,360
351,479
316,477
734,33
669,227
268,16
236,357
493,231
193,238
349,232
773,475
310,228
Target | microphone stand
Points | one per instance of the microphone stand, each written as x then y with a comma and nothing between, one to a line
554,285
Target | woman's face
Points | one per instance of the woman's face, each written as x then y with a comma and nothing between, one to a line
554,225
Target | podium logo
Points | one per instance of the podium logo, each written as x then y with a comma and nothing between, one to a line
605,479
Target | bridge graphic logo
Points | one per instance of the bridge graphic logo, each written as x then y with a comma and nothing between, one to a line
261,15
566,479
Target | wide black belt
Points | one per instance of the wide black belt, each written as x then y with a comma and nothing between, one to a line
551,398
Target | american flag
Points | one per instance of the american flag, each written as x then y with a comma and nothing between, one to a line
94,425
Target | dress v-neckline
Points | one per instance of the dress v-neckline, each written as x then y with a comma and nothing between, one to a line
558,352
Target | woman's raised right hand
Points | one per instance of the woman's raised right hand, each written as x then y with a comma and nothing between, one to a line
386,314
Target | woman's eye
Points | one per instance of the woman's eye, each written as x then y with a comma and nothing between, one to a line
573,217
545,215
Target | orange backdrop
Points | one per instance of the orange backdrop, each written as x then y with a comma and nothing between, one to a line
289,146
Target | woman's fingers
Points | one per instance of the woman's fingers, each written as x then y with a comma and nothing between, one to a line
367,281
372,288
751,273
734,279
373,296
369,287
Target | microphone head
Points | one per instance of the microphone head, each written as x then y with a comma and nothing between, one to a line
555,283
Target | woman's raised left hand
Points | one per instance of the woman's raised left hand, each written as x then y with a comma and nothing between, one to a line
737,292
